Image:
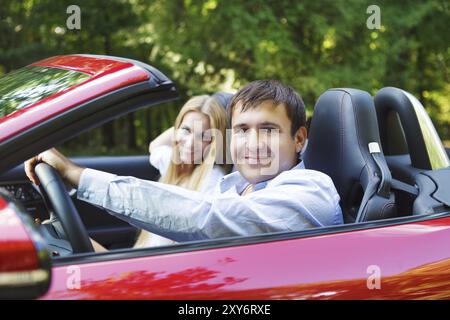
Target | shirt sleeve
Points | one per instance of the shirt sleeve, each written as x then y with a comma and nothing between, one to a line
160,158
184,215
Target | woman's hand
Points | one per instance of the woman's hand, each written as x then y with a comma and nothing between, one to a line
66,168
164,139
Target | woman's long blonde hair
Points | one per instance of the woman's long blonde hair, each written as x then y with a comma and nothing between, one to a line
216,152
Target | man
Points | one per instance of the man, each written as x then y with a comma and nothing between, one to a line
271,191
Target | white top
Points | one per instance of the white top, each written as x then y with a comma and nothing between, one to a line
160,159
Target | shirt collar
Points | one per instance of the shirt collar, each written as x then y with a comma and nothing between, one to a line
237,181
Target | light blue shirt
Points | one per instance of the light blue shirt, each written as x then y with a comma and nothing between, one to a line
294,200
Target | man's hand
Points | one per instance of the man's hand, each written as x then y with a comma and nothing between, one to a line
66,168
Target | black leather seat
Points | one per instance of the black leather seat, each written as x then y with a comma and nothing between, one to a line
344,143
224,98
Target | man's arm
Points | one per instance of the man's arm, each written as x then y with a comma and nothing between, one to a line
184,215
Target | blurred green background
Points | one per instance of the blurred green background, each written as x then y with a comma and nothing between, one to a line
218,45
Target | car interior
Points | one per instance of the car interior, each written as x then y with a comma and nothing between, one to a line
367,145
353,129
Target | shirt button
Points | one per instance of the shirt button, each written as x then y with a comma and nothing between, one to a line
127,211
86,194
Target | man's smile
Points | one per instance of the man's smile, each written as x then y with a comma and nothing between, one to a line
257,160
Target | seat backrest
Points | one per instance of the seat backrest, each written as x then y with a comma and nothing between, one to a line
344,143
224,98
414,133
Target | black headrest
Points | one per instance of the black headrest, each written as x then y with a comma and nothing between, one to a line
414,122
224,98
343,125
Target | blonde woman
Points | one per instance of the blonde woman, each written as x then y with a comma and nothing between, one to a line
190,153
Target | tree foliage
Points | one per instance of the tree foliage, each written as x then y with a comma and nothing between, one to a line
213,45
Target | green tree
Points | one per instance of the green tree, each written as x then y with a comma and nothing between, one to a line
213,45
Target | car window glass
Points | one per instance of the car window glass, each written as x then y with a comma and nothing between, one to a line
26,86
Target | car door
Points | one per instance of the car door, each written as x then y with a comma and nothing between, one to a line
408,259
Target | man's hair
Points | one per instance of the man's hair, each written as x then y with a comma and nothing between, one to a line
254,93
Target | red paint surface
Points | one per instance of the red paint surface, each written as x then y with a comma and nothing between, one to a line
108,75
89,65
17,251
414,261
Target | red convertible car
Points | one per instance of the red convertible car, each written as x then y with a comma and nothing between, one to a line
383,154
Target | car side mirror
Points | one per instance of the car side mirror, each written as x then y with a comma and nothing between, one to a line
25,266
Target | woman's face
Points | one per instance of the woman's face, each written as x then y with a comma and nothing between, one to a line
193,137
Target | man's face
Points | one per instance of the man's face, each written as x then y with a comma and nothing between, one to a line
262,145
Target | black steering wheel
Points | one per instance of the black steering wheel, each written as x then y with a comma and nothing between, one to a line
54,190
